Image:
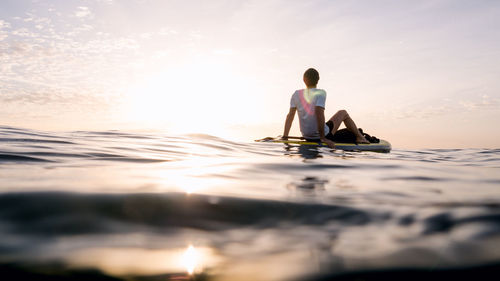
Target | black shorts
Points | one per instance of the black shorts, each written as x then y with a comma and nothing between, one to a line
328,136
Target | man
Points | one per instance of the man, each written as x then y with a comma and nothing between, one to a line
309,103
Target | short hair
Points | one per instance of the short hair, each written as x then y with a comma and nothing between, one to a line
311,76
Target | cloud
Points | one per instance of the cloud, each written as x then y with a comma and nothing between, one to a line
23,32
485,102
82,12
3,26
104,1
438,107
42,64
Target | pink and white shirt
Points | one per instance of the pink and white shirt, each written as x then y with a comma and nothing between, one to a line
305,101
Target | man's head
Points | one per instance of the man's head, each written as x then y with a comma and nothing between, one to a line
311,77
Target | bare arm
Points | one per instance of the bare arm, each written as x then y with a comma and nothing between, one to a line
320,118
288,122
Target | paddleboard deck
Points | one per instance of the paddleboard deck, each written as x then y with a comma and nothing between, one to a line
382,146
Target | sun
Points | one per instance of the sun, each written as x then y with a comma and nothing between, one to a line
202,96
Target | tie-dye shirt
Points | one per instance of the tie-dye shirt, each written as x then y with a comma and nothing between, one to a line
305,101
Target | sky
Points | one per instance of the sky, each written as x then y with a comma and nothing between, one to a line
420,74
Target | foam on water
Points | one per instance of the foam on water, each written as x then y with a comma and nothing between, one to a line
120,205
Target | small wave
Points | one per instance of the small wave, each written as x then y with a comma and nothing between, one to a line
300,167
415,178
114,134
445,222
56,154
25,132
131,159
20,158
26,140
456,273
52,212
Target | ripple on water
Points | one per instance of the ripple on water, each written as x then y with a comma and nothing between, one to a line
20,158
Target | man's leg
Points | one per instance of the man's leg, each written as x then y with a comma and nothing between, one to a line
343,116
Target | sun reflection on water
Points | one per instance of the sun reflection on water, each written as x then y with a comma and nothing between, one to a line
142,262
191,259
196,175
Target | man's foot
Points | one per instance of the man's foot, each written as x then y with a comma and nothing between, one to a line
361,139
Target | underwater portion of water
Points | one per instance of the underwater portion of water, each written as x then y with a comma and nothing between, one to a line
117,205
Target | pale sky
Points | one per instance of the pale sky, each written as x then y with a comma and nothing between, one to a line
420,74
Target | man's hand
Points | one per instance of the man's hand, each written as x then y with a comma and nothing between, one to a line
328,142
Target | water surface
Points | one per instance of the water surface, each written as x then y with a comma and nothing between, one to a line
114,205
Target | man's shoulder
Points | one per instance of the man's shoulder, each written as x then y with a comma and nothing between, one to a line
314,91
317,92
297,93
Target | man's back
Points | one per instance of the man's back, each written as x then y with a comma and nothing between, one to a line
305,101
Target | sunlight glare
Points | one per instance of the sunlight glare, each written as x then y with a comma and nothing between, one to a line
132,261
197,179
203,96
191,259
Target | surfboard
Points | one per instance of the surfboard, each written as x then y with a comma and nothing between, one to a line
382,146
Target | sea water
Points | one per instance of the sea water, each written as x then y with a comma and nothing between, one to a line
115,205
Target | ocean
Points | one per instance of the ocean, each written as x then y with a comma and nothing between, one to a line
117,205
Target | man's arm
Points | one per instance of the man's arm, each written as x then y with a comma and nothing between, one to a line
288,122
320,118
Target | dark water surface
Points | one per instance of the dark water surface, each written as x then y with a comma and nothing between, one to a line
127,206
